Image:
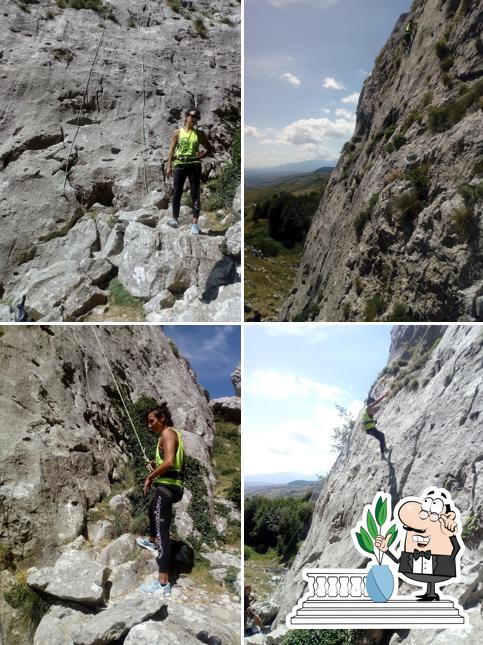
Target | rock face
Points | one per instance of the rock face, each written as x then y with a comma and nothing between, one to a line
397,235
432,426
88,106
63,443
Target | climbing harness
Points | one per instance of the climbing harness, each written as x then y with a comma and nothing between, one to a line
146,459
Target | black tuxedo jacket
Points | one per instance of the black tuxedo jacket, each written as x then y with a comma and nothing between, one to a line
443,565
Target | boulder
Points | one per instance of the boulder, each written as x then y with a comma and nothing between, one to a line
118,551
113,623
217,619
74,577
233,239
236,380
152,632
226,307
100,531
58,625
227,407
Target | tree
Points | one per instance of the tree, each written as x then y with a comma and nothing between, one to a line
340,435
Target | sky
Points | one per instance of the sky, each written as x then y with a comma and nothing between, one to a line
294,375
213,352
305,63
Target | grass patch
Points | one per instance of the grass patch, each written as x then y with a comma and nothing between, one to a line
471,530
374,307
95,5
63,55
174,5
324,637
120,297
448,114
442,49
30,605
463,219
230,578
226,456
364,215
6,556
200,27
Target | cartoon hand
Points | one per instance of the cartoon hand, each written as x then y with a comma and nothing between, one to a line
448,524
381,543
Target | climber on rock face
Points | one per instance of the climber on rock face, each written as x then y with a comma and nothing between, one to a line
431,545
372,406
409,33
253,623
167,478
184,161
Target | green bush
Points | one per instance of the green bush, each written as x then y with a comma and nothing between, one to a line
446,64
224,187
445,116
323,637
400,313
6,553
374,307
230,578
442,49
399,140
464,222
195,475
200,27
234,492
408,203
30,605
269,248
174,5
471,529
96,5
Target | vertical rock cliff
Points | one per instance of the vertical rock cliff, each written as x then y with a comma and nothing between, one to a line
432,426
397,235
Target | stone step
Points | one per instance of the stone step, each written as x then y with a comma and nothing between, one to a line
365,613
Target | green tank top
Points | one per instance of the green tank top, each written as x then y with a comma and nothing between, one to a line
369,422
173,477
187,147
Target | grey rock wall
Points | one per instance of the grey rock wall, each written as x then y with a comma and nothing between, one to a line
433,435
106,95
403,264
62,442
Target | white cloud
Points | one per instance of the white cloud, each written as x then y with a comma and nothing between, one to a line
317,4
293,80
332,84
310,333
352,98
277,386
251,131
304,440
326,110
344,114
313,131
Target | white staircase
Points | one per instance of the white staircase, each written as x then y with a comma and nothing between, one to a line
338,599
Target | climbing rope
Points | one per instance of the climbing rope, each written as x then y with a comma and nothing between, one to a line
143,113
83,101
120,394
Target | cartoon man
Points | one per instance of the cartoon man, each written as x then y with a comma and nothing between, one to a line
431,545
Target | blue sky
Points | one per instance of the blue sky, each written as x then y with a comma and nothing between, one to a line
213,352
294,376
305,63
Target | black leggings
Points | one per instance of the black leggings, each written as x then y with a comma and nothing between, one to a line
160,512
379,436
193,172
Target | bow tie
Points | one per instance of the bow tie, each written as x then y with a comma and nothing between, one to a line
421,554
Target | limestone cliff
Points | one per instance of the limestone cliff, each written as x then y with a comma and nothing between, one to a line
397,235
432,426
89,100
63,437
69,509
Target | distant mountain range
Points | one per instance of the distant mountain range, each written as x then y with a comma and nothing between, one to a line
295,488
258,176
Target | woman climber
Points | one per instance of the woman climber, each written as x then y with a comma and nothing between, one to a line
184,161
166,475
